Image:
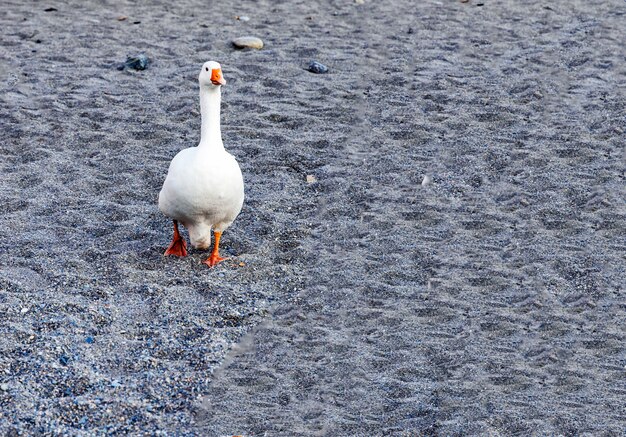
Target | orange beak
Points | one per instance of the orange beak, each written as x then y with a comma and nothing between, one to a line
216,77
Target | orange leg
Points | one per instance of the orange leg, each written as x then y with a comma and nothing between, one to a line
215,258
178,246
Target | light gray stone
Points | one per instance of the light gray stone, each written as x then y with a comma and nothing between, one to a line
248,42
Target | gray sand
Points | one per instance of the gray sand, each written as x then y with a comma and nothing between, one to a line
489,301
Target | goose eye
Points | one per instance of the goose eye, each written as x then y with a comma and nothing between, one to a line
207,68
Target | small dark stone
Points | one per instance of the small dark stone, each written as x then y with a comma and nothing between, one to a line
50,9
410,30
38,41
64,359
137,63
89,340
136,22
283,399
317,68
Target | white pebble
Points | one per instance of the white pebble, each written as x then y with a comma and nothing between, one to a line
427,180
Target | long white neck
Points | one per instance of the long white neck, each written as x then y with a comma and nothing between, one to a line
210,102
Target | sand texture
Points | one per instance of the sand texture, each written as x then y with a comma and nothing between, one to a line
358,301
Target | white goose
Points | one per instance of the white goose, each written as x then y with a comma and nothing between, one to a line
203,189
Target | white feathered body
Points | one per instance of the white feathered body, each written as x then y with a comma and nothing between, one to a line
203,190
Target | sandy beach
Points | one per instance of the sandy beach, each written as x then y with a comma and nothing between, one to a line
360,299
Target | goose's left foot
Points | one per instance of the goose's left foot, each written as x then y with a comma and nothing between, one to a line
215,258
178,247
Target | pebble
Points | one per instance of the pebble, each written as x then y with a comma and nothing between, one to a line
89,340
317,68
137,63
310,179
4,387
243,18
64,359
427,180
248,42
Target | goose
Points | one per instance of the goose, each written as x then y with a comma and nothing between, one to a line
203,189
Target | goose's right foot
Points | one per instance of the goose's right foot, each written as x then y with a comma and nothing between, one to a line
215,258
178,247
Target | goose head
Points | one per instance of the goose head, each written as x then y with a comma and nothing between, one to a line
211,75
